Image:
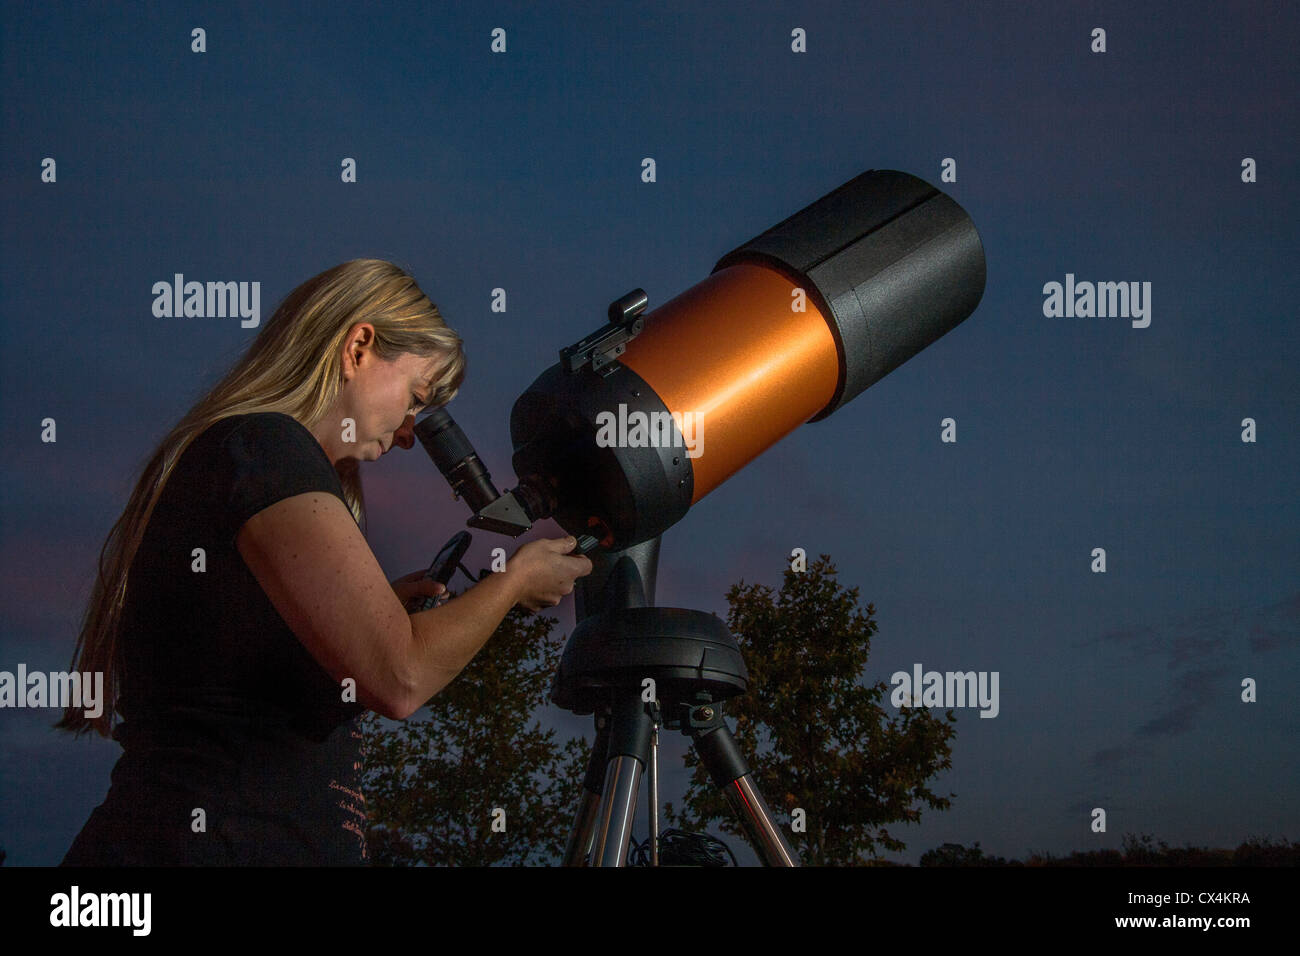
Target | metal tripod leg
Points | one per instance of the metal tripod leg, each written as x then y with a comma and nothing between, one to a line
721,756
584,822
629,747
620,640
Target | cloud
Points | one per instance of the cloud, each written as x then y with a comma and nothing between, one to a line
1194,691
1176,721
1199,651
1208,632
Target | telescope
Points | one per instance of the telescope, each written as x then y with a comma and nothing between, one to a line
642,418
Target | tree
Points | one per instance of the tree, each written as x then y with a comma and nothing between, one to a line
954,854
816,738
1144,851
435,783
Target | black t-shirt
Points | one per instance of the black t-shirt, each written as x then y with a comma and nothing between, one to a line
224,710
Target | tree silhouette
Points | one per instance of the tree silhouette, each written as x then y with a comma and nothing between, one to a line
1144,851
816,738
954,854
434,782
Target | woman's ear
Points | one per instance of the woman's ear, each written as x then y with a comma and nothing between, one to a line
358,347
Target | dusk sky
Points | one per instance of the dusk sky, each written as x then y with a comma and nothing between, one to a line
522,170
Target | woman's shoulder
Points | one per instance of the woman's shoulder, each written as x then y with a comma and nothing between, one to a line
257,439
247,462
259,421
255,427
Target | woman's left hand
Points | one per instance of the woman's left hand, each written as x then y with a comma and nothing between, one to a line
416,584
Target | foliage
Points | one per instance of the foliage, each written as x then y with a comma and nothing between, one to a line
816,737
433,781
1144,851
954,854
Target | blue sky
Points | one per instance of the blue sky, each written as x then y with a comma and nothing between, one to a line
522,171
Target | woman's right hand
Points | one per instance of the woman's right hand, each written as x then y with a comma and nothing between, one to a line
544,571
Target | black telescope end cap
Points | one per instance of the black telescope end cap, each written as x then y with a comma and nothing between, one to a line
890,261
685,652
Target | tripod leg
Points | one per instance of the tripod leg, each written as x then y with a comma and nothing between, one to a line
629,745
584,822
719,753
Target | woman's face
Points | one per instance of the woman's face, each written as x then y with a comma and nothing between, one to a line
381,397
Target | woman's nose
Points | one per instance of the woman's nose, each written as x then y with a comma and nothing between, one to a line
405,436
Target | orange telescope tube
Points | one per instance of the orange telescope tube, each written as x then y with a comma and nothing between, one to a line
779,371
643,418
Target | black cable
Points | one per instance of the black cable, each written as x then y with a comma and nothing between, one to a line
679,848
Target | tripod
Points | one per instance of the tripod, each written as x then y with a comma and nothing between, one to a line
620,644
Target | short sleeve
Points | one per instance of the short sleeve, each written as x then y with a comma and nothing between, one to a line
272,456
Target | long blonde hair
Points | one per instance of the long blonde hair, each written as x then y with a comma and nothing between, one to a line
293,366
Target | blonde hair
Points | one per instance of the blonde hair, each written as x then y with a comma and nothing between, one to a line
294,366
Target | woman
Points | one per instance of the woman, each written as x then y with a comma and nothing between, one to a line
240,619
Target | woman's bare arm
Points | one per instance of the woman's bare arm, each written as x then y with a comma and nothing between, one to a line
314,564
